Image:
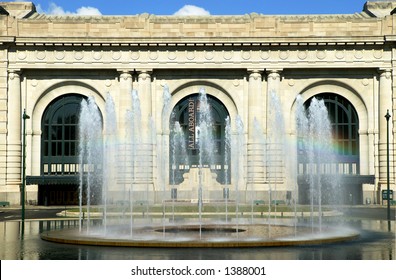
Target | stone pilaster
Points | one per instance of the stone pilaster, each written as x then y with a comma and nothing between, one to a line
144,89
274,150
385,103
145,95
14,131
256,100
124,100
256,113
273,81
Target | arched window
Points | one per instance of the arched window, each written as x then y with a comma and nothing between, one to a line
345,129
59,141
182,114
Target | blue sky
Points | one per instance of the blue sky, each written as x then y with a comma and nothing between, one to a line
199,7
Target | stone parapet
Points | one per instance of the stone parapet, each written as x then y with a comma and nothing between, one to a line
30,24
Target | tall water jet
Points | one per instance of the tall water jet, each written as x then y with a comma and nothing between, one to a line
178,157
315,142
206,146
261,143
319,149
276,136
110,155
166,98
227,156
238,151
302,128
90,154
133,149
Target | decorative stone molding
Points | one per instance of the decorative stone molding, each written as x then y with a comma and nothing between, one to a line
340,54
385,73
283,55
302,55
227,55
265,55
246,55
125,75
153,55
59,55
145,75
274,74
245,58
135,55
78,55
172,55
14,74
190,55
108,83
378,54
97,55
255,74
359,54
40,55
321,54
116,55
209,55
34,82
22,55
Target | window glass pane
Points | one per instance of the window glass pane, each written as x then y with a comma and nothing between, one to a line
53,133
59,133
73,149
73,135
53,149
67,133
45,149
59,149
67,150
45,132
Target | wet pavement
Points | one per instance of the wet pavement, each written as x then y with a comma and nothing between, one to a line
376,242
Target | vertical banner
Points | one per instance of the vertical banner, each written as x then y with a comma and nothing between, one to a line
191,123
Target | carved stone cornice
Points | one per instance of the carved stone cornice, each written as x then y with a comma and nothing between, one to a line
200,57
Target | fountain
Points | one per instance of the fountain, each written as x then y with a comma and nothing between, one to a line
133,212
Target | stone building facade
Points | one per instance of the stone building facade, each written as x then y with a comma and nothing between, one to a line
51,62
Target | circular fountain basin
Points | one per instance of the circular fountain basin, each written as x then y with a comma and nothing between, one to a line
201,236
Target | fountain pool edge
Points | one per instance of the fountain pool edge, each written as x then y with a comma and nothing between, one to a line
71,237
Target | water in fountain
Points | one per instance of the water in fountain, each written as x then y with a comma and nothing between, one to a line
315,138
205,144
238,148
276,137
261,140
133,158
90,151
110,155
166,97
227,149
125,162
178,156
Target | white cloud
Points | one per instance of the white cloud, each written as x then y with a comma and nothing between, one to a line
191,10
88,11
54,9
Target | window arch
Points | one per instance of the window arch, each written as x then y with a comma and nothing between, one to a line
59,141
181,115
